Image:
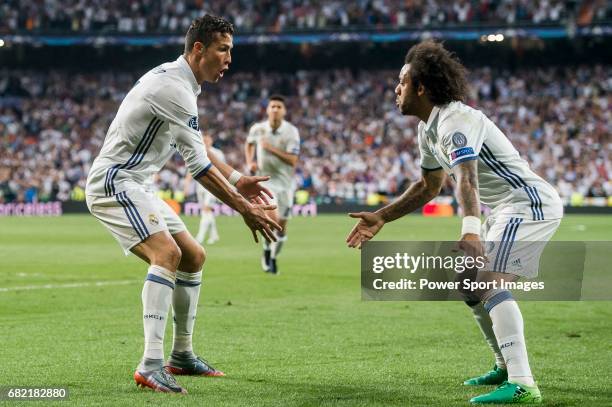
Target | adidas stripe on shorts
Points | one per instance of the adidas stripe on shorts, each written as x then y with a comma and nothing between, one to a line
514,242
133,215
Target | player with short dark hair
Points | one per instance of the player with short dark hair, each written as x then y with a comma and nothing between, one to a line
205,30
462,142
158,117
272,147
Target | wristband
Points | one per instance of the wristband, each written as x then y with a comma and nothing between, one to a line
234,177
471,224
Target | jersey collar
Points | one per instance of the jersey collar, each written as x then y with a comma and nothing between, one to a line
188,74
432,118
278,129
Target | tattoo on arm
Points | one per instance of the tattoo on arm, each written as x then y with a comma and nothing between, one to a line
417,195
467,188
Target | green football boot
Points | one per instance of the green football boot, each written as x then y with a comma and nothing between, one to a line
495,376
510,393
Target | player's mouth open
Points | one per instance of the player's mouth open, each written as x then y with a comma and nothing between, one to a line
222,71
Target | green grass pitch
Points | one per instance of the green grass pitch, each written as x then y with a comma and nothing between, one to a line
303,338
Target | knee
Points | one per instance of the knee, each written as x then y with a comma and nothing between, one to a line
171,255
471,298
494,297
194,261
199,257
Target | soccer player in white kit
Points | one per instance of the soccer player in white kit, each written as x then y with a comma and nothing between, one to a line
157,117
277,144
462,142
206,199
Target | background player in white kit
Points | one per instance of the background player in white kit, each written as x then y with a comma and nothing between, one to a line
277,144
206,199
462,142
156,118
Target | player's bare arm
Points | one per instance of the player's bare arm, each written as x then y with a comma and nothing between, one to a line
249,152
254,215
417,195
469,201
287,158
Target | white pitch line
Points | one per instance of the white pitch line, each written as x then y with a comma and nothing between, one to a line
69,285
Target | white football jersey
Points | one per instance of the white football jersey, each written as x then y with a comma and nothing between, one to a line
455,133
157,117
285,138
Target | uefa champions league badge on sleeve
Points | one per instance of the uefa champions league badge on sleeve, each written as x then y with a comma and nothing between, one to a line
459,139
193,123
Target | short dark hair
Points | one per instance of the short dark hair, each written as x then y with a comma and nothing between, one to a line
203,30
439,71
277,97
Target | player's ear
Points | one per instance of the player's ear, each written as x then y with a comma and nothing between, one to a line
198,48
420,90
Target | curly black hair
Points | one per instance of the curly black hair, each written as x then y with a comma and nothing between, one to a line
203,29
439,71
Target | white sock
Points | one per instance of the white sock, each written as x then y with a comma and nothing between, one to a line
185,307
508,328
486,327
205,220
278,245
156,298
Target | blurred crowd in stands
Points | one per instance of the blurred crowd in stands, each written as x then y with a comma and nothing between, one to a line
174,16
354,141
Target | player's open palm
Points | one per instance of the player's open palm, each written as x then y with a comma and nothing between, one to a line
258,221
250,187
369,225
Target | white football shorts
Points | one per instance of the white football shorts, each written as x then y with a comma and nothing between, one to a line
134,215
283,199
514,242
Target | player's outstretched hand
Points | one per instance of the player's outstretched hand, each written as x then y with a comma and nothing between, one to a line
258,221
471,245
369,225
249,187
